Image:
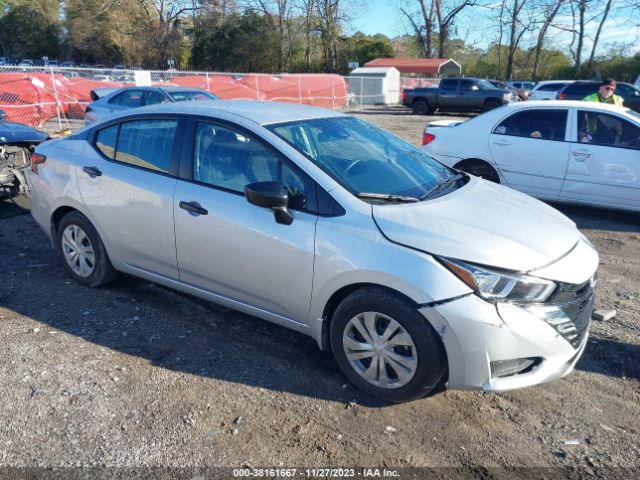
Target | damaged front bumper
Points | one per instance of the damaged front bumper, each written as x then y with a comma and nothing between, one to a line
496,347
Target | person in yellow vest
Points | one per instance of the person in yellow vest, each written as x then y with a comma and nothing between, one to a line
597,130
605,94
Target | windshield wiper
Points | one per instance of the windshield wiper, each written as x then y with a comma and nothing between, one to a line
447,183
387,197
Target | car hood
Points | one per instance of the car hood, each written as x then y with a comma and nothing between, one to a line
483,223
11,132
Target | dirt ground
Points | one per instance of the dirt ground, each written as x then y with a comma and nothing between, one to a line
135,375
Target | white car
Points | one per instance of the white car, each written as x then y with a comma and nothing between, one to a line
567,151
547,89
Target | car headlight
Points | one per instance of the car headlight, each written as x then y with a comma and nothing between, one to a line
496,285
507,97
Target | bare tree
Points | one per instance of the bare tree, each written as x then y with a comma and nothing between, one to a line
550,12
605,14
428,14
278,13
520,21
164,17
446,13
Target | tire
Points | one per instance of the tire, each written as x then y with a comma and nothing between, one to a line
479,168
417,346
82,252
490,105
420,107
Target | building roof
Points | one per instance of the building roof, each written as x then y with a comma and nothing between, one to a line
429,66
373,70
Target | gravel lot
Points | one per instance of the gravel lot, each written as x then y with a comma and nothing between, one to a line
136,375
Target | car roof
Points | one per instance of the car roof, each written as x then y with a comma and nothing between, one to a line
166,88
545,82
566,104
261,112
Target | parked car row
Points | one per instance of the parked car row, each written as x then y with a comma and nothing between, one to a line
476,95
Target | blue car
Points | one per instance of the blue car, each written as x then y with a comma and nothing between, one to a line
107,101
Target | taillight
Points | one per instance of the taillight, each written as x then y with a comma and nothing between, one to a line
562,96
37,159
427,138
404,96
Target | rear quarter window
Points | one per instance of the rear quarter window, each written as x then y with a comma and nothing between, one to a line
106,141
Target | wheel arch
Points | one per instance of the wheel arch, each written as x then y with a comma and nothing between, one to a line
339,295
471,160
58,214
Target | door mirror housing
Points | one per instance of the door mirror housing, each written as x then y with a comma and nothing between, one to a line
271,195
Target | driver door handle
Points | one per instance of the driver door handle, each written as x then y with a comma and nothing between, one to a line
93,172
193,207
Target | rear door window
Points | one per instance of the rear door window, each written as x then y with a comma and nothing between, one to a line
154,97
147,143
448,84
544,124
129,98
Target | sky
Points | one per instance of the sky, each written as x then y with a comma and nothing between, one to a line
380,16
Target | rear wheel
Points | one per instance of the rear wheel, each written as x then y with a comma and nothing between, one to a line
479,168
82,251
385,346
490,105
420,107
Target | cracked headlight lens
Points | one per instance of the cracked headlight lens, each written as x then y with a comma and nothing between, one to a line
499,285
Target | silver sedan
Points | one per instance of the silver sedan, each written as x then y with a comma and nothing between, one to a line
412,273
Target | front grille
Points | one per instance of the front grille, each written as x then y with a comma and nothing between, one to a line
573,307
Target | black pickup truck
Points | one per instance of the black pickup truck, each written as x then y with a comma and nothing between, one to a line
456,95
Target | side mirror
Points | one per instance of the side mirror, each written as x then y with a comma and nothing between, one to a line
475,88
271,195
3,115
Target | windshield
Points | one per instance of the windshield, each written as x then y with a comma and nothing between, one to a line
191,96
366,160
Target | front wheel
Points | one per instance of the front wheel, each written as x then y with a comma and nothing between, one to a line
385,346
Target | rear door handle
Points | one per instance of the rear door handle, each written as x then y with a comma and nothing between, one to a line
501,143
193,207
93,172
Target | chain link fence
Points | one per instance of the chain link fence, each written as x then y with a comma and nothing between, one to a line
55,98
